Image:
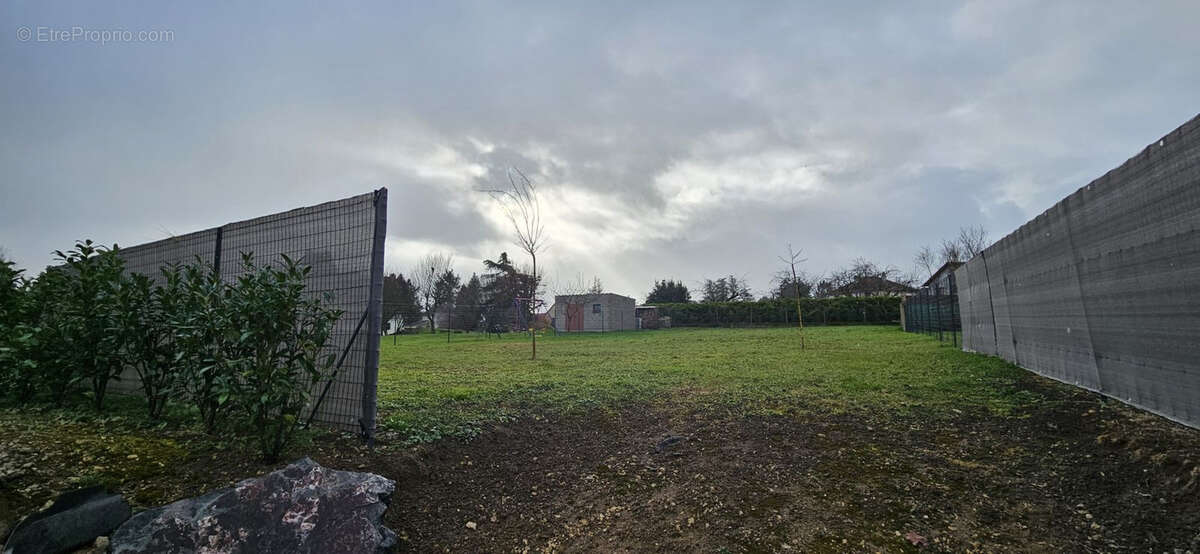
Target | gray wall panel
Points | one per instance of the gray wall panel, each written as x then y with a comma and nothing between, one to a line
1102,290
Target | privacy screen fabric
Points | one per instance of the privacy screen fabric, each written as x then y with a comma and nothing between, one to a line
1102,290
343,242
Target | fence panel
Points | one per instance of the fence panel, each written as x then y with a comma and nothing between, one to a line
343,243
934,312
975,305
148,258
1101,289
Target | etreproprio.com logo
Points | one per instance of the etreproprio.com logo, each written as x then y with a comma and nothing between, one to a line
79,33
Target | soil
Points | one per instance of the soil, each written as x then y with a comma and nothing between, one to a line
1072,473
1077,474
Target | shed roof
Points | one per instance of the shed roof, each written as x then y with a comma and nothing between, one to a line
948,266
592,296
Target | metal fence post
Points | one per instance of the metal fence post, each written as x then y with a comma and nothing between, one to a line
374,319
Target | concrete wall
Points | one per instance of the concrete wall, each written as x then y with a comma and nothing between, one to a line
1102,290
616,312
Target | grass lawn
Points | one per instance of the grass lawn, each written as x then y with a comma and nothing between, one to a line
430,388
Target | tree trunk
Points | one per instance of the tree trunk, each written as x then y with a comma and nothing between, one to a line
533,304
799,314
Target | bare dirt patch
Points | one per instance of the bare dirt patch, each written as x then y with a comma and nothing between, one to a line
1067,473
1074,474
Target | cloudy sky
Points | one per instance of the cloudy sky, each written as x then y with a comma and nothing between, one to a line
682,140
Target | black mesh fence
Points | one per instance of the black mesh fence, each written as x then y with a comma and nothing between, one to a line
343,243
933,311
1102,290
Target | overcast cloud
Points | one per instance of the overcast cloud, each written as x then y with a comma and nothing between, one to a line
676,140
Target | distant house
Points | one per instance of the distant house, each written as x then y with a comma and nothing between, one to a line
942,280
593,312
394,325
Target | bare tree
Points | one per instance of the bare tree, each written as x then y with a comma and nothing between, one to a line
520,203
726,289
864,278
910,278
926,260
972,240
969,243
425,276
951,251
793,258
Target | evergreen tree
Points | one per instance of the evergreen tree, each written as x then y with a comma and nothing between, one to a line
468,305
669,291
445,289
506,294
400,299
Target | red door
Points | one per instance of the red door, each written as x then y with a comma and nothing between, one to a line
574,317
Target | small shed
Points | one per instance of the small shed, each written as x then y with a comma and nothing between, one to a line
647,317
593,312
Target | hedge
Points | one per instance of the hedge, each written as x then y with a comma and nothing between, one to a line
846,310
245,354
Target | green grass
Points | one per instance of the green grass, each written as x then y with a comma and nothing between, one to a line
429,388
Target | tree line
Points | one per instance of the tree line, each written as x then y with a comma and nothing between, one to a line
498,300
503,297
862,277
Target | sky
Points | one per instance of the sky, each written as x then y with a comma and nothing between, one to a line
680,140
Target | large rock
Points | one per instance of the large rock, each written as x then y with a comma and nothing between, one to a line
74,519
301,508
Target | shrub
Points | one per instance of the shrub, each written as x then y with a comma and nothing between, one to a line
201,324
148,339
11,293
277,344
47,358
255,347
17,338
90,305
